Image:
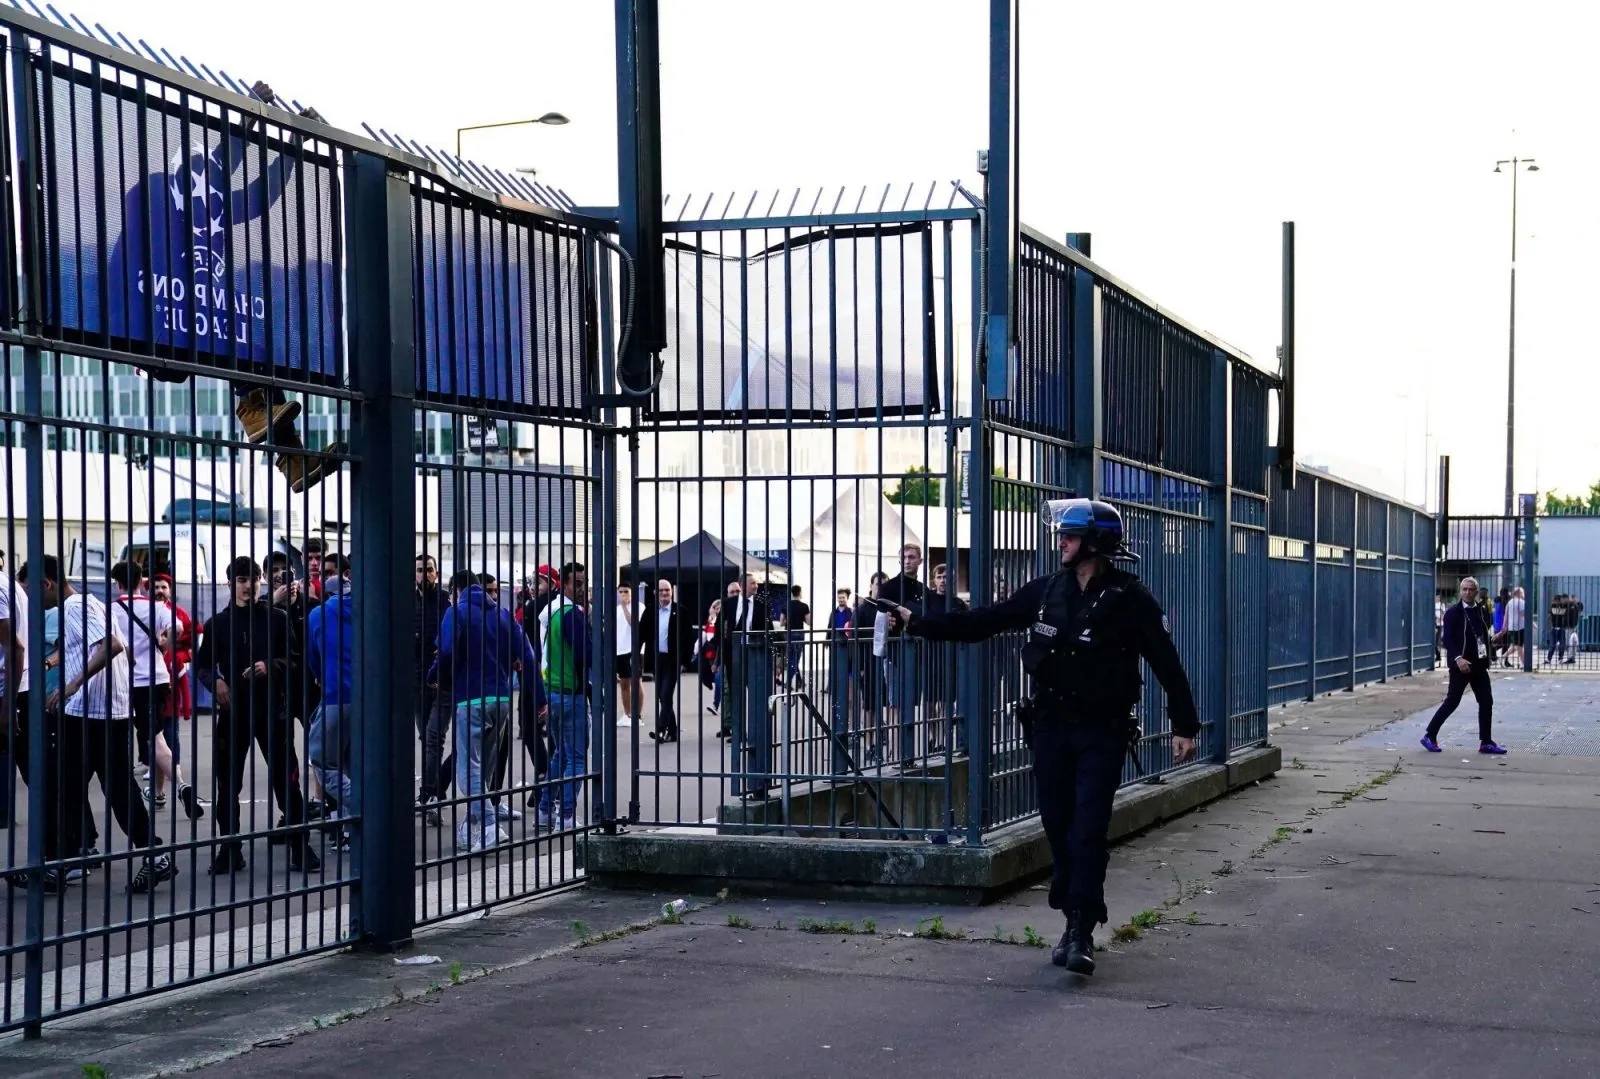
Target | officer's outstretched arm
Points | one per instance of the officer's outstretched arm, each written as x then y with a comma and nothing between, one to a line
981,623
1155,644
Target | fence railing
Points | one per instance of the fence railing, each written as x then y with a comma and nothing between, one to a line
1351,591
210,619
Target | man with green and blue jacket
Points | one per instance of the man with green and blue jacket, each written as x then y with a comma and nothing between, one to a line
483,647
564,631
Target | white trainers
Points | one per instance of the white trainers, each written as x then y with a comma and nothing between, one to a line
491,836
463,836
504,812
546,818
624,720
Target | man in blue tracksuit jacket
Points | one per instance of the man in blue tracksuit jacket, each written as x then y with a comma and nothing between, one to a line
484,647
330,656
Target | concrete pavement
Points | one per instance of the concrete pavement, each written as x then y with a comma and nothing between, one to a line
1372,911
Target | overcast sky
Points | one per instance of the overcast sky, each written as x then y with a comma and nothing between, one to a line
1180,134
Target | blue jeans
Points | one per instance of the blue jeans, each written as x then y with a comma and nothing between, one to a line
480,728
328,746
716,694
569,730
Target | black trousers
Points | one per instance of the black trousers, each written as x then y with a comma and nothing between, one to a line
666,674
1077,767
95,749
1478,679
235,728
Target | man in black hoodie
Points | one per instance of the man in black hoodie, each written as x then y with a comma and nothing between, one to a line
244,659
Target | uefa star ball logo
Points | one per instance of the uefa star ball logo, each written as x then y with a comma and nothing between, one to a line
199,189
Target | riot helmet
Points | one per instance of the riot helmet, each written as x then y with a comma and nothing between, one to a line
1099,523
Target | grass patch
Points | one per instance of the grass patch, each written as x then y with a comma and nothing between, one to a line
455,972
587,938
94,1071
739,921
1146,919
1193,918
811,925
1280,835
869,927
1126,933
1297,763
1032,939
934,929
671,917
1370,785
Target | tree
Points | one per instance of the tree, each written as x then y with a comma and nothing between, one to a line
1556,505
1012,495
917,487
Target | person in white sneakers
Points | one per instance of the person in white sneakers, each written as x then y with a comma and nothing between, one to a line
95,735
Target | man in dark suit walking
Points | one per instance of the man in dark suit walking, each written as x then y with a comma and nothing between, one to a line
1466,632
745,613
664,642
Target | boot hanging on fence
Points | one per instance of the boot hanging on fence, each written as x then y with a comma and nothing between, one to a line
303,470
258,415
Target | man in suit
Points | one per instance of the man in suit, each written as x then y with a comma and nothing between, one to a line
1466,634
664,642
745,613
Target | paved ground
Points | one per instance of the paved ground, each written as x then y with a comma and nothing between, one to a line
1373,911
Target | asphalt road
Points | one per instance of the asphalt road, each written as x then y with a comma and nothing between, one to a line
1440,922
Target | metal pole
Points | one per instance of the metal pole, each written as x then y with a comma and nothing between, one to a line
639,188
1511,353
1530,541
382,356
1286,469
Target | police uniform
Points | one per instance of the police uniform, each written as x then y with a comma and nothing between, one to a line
1083,651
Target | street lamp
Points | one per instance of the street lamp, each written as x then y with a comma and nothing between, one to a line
553,119
1518,164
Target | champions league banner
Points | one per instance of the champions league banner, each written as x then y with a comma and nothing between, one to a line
502,306
178,228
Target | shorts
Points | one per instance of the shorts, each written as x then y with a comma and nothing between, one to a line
625,665
150,716
1514,638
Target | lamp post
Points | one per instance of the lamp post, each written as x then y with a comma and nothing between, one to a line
1518,164
553,119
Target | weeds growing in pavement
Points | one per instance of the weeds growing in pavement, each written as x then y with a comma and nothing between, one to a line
1032,939
455,972
739,921
934,929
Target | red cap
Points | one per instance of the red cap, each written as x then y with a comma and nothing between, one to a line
166,578
549,574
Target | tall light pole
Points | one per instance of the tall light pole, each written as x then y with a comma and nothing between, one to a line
553,119
1517,164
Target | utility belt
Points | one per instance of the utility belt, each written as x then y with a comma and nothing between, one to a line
1049,706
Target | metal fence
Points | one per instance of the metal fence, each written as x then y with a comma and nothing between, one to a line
208,635
1350,595
824,431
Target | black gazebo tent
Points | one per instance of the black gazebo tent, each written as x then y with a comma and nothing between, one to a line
701,568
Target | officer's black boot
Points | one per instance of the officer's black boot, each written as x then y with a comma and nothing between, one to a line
1076,949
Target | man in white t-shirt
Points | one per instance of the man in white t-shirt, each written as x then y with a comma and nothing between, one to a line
146,624
13,691
95,738
1516,625
632,694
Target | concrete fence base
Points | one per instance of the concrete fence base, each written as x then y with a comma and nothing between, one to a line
886,869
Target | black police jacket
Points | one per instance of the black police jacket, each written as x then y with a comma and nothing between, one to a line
1083,646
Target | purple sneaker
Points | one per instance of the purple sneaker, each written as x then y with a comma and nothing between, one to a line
1430,745
1490,747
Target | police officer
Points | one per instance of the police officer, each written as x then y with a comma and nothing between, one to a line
1088,625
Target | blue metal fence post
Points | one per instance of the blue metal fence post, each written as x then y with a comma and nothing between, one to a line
1316,531
1388,524
1355,588
1221,630
26,150
382,359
